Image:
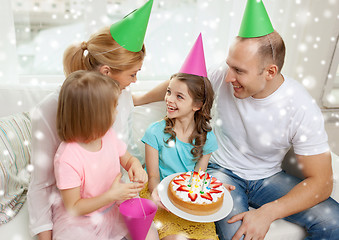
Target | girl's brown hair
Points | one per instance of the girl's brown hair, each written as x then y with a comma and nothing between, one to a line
201,91
87,101
100,49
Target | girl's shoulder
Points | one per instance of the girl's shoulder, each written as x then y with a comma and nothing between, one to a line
110,134
211,136
157,126
64,151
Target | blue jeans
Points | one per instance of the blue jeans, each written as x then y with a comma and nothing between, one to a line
320,221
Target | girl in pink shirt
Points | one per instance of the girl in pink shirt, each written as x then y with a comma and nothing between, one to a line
87,162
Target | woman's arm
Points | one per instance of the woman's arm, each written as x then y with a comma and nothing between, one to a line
154,95
46,235
44,145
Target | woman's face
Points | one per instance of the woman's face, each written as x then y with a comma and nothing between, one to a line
125,78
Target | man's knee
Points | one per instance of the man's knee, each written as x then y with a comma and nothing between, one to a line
320,221
327,215
225,230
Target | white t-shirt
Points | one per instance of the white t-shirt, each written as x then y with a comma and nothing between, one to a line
255,134
45,141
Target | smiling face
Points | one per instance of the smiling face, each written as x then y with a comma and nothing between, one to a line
246,71
178,100
126,77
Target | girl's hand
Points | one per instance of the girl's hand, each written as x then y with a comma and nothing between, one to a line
122,191
229,187
137,174
156,199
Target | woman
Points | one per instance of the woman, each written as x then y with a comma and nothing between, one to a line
104,53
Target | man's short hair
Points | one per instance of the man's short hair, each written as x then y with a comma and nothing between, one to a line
271,49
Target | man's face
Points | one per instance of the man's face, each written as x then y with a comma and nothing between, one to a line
245,71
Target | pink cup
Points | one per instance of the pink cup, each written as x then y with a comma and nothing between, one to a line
134,216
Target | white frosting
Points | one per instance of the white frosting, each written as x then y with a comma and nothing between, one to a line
196,187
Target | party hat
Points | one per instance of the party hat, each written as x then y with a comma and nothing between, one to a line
130,31
195,61
138,214
255,22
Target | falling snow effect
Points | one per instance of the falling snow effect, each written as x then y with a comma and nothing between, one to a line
171,143
308,36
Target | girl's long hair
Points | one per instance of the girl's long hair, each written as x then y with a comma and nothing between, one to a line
201,91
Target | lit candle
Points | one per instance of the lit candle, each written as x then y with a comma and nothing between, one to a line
191,189
190,181
208,186
203,183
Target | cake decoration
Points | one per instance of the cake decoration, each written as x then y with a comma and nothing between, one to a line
196,192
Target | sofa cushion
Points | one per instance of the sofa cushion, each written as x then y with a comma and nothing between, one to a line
15,138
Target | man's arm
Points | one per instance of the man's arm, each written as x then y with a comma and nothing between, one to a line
316,187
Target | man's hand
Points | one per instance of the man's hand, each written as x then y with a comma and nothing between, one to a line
255,224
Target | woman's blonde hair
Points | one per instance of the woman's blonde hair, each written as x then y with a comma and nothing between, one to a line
87,101
100,49
201,91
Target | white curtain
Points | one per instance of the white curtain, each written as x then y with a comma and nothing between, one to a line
8,56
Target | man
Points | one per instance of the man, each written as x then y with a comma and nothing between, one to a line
261,113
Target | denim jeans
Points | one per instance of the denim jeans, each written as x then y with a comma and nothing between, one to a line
320,221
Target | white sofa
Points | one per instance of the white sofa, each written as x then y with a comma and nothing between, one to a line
23,99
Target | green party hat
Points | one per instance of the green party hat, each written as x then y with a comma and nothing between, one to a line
255,22
130,31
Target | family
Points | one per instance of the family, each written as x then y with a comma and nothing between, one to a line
236,121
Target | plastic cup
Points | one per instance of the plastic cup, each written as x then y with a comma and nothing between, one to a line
138,214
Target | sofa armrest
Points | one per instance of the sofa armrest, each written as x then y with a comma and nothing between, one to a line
15,138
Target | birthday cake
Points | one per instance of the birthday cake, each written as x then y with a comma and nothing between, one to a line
196,193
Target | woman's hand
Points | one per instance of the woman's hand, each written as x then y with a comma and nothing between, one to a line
122,191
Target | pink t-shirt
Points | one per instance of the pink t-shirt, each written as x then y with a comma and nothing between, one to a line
94,172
